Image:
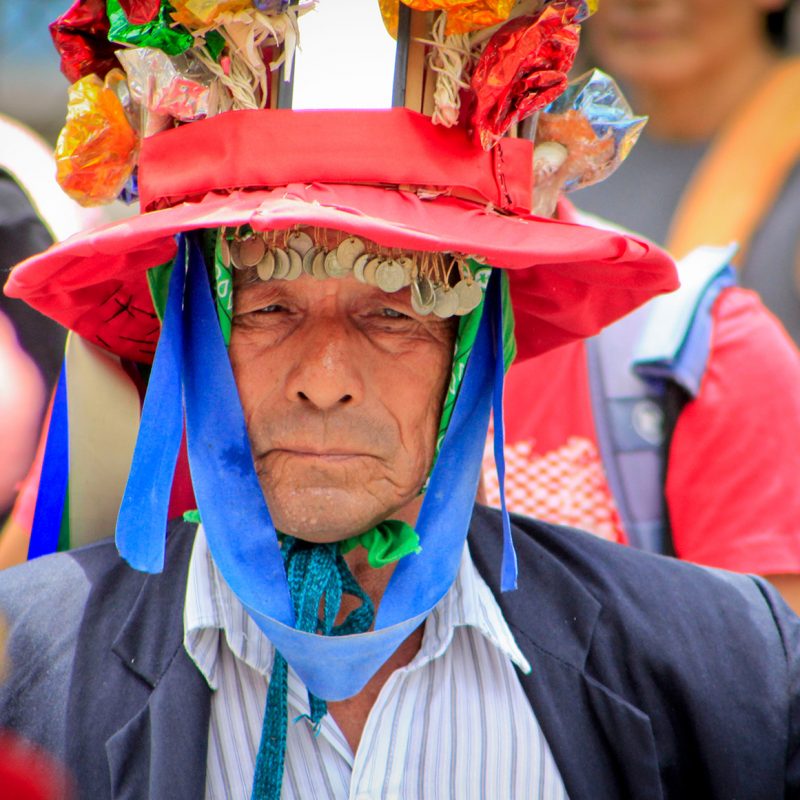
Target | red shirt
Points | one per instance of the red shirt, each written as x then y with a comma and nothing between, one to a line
735,455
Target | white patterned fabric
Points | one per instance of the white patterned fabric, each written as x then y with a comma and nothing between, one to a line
453,723
566,486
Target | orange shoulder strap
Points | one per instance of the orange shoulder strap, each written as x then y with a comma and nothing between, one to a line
742,174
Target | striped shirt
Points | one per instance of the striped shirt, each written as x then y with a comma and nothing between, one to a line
453,723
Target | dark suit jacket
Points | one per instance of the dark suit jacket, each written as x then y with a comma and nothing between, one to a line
651,678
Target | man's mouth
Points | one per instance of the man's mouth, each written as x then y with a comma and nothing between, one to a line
332,455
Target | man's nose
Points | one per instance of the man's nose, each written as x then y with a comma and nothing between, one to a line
326,374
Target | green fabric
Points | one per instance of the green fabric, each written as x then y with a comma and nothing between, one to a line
158,283
223,292
465,339
161,32
63,533
192,515
509,340
385,543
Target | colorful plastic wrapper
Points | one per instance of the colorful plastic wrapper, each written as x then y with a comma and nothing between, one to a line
593,122
202,13
80,36
130,191
174,86
583,8
390,12
523,68
140,12
117,83
463,16
96,150
160,32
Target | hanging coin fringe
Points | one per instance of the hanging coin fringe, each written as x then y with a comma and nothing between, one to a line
443,284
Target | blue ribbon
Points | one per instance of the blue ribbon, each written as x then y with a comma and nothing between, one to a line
508,572
54,478
145,504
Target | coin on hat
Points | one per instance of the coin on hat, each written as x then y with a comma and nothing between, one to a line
469,295
236,259
446,302
252,250
348,251
318,266
407,263
334,268
370,269
423,297
266,266
308,259
390,276
282,264
295,265
359,265
300,242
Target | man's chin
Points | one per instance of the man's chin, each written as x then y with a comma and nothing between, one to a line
324,514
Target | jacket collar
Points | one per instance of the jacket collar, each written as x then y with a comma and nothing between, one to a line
161,750
603,745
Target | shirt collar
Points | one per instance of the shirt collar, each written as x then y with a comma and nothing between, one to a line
211,608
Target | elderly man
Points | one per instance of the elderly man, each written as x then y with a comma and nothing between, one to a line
334,617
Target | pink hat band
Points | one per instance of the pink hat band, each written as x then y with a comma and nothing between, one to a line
394,148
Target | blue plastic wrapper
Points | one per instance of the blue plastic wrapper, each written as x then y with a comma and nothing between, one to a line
130,191
594,123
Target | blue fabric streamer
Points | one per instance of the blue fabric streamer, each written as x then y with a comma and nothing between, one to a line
508,573
145,504
240,532
54,479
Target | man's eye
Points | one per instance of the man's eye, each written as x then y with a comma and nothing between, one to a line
271,309
392,313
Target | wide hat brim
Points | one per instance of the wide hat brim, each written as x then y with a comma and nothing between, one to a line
567,280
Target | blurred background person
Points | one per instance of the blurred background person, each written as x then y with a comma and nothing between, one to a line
719,159
692,451
31,346
34,212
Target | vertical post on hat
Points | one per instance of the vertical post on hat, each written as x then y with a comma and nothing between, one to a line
414,93
284,89
401,56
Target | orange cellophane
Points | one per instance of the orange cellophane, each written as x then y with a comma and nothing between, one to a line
96,150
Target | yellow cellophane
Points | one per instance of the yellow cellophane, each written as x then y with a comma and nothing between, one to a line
464,16
202,13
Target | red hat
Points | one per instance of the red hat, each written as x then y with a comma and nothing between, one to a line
390,176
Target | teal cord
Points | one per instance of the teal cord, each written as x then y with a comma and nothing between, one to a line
317,575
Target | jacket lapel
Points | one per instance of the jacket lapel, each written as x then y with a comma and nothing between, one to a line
603,745
160,749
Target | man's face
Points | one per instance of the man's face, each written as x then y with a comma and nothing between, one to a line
342,388
662,43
